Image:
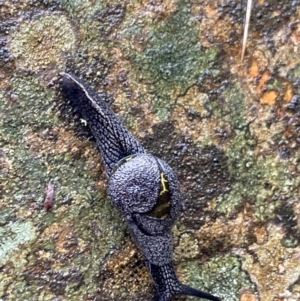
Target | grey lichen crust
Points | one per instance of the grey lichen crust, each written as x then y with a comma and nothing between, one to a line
143,187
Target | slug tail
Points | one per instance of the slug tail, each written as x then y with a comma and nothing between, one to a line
167,284
187,290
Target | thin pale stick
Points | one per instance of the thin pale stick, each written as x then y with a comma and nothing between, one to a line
246,28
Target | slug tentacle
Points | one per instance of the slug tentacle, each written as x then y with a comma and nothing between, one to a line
113,139
144,188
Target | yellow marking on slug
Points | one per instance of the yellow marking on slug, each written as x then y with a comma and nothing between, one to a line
163,181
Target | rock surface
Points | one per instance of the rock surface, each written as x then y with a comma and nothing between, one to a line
172,71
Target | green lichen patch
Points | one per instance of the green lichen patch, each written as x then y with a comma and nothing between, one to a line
26,169
167,59
68,252
41,43
294,75
187,247
26,106
258,176
81,228
12,236
82,10
167,63
230,107
264,180
221,276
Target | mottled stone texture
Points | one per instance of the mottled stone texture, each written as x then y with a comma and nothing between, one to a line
172,71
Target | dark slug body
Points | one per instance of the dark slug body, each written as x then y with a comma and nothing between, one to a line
143,187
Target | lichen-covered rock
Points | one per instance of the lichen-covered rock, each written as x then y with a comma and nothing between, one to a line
40,43
172,71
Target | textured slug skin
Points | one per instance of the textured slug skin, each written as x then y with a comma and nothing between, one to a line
113,139
143,187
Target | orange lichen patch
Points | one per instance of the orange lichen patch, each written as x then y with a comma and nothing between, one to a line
232,233
51,141
269,97
257,71
124,272
61,233
59,140
4,83
248,297
260,234
210,11
254,70
288,93
265,264
295,36
219,31
262,81
189,110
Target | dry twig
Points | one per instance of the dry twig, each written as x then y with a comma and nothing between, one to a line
246,27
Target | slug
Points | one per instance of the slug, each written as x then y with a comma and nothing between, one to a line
143,187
